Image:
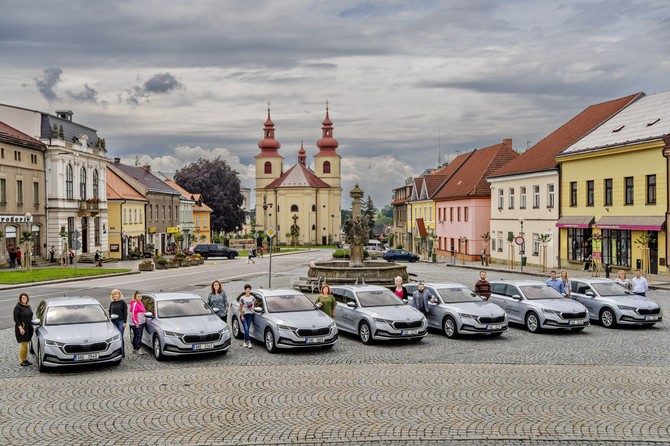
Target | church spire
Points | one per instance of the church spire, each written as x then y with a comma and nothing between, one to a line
302,155
268,144
327,144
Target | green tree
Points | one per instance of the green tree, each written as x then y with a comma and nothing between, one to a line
369,212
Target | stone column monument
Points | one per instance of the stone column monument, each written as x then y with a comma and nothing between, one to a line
357,228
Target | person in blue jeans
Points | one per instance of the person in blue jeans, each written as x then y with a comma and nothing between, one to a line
119,308
247,303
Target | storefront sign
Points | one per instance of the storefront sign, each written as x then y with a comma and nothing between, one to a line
14,219
172,230
151,230
114,248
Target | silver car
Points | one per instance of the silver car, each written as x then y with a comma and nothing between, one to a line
374,313
74,331
460,311
612,304
182,324
286,319
538,306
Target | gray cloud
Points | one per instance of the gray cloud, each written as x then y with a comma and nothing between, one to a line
46,86
161,83
87,94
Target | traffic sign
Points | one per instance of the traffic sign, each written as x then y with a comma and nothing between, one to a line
76,234
77,245
519,240
271,232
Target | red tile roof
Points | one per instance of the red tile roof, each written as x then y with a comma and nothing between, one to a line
542,155
10,135
119,189
198,206
470,179
298,176
421,227
399,201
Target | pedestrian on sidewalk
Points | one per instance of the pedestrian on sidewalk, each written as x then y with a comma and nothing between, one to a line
260,252
400,290
119,308
640,284
251,254
247,303
52,254
23,328
12,258
18,257
567,285
622,280
218,300
137,321
483,287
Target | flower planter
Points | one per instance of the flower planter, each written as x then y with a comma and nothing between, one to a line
161,266
184,263
146,267
173,265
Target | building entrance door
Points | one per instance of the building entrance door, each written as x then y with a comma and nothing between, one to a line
84,234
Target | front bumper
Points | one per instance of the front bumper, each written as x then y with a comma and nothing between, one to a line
551,322
472,327
175,347
387,331
55,357
628,317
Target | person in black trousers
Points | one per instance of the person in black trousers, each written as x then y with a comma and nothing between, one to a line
23,328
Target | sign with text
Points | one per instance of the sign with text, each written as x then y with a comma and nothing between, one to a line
173,230
15,219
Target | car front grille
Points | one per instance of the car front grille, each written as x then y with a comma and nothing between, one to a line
313,332
491,320
83,348
649,311
411,324
581,315
189,339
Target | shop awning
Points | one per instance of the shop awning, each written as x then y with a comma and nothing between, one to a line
632,223
575,221
421,227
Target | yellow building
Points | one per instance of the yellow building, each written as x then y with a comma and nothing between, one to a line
613,195
421,214
126,217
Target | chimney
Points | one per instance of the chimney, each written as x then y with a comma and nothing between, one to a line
147,168
508,142
117,160
65,114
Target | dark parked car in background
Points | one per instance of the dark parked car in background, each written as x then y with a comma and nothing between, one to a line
207,250
400,254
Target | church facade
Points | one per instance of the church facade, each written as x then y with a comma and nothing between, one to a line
302,204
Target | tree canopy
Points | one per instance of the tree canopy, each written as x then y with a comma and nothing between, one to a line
219,186
369,211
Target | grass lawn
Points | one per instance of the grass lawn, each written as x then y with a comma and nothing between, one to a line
41,274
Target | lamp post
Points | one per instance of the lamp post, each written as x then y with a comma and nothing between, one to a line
332,228
27,261
522,246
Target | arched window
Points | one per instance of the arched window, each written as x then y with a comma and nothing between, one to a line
294,208
313,208
268,167
69,182
96,190
326,167
82,184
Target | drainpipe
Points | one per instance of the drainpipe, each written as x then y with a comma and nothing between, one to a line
558,241
666,154
121,230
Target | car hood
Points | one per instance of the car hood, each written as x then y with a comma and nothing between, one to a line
80,333
634,300
208,323
301,319
394,313
477,308
560,304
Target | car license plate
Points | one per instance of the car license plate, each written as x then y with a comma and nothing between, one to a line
573,322
409,332
494,327
87,357
202,346
316,340
651,318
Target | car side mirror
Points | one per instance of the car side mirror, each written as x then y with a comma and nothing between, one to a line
258,310
215,309
351,304
516,297
405,301
149,314
36,322
590,293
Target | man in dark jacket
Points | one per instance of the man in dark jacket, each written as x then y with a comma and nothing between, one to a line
483,287
422,298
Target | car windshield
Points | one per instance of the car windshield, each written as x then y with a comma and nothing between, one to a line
540,291
611,289
288,302
75,314
182,308
455,295
378,298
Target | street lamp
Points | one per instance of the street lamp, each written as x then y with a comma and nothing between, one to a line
522,246
27,261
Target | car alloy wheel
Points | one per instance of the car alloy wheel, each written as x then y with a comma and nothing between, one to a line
40,362
607,318
270,341
450,329
231,256
532,322
237,332
364,333
158,351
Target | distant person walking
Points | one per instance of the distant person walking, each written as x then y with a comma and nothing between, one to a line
23,329
137,320
483,287
555,282
247,303
567,285
640,284
12,258
18,257
218,300
119,308
98,258
326,302
52,254
260,252
251,253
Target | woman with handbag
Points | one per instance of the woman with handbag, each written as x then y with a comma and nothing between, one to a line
137,321
23,329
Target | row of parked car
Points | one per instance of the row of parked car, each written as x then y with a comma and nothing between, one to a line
76,330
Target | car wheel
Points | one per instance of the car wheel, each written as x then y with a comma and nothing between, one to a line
578,329
450,328
117,363
237,332
158,351
231,256
270,341
364,333
40,363
204,255
608,318
532,322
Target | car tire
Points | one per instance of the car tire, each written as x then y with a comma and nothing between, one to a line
237,331
204,256
231,256
364,333
158,350
607,318
449,327
40,363
532,322
269,339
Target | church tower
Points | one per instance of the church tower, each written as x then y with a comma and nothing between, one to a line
269,167
327,161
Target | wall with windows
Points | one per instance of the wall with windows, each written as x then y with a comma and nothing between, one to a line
460,225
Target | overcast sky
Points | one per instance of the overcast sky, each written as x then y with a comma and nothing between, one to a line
408,82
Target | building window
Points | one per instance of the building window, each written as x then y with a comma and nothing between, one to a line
550,196
430,213
466,214
96,230
36,193
616,247
500,241
33,159
135,216
573,193
96,187
2,153
163,212
3,191
536,244
17,155
522,199
589,192
268,167
458,214
157,216
608,192
125,216
579,248
70,230
149,216
326,167
204,222
501,199
169,209
511,198
651,189
69,182
493,242
82,184
294,208
536,197
197,222
451,214
629,190
19,191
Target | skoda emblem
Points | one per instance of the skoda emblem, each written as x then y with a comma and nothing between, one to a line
313,325
202,331
85,340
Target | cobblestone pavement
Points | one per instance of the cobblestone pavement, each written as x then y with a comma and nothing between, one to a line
595,387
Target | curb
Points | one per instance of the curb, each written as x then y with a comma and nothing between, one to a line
72,279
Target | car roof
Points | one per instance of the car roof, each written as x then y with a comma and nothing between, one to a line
70,300
275,292
172,296
592,279
357,288
519,282
441,284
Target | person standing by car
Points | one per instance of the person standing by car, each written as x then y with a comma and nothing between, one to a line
640,284
483,287
422,298
400,290
218,299
18,257
137,321
622,280
247,302
555,282
326,301
119,308
567,285
23,328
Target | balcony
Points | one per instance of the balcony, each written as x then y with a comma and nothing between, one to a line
90,207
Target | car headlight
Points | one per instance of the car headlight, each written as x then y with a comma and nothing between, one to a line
54,343
625,307
286,327
114,339
547,311
466,315
382,321
224,329
332,325
173,334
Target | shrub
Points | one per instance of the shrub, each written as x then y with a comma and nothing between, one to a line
161,261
